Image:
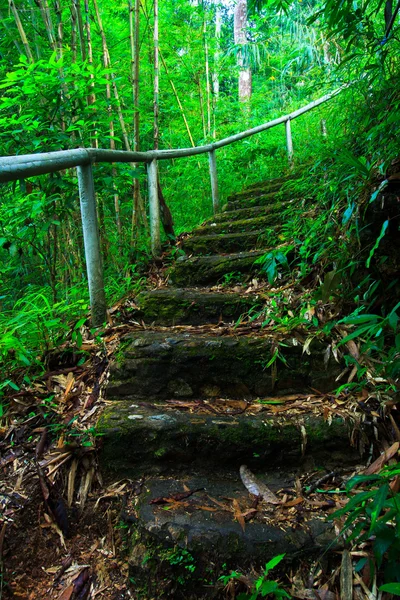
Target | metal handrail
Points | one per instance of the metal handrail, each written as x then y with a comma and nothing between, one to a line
29,165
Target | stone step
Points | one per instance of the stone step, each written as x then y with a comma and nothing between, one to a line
230,242
181,548
248,201
138,439
163,364
271,186
176,306
240,226
211,269
248,213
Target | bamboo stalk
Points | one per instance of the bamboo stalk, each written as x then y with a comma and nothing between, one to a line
7,28
177,100
207,69
134,16
48,24
91,98
60,32
73,32
77,6
21,30
106,61
156,78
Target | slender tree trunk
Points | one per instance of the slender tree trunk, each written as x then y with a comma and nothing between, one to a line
91,99
177,100
73,33
48,23
217,57
201,103
240,22
11,35
156,78
207,69
21,30
60,32
134,31
82,42
106,61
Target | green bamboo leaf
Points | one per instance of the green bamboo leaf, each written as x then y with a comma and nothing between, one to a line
378,504
391,588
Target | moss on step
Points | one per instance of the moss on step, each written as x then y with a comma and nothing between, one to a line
172,306
271,186
248,213
230,242
180,553
138,439
160,365
241,226
206,269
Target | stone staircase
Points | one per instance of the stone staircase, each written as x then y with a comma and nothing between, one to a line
192,398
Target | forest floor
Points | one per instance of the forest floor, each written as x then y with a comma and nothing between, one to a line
65,532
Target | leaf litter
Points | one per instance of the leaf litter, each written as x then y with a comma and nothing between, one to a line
51,486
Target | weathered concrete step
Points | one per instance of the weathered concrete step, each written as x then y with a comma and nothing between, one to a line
140,439
177,306
206,269
271,186
160,365
248,201
229,242
180,552
248,213
241,226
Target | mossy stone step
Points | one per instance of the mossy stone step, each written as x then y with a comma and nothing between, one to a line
181,552
247,201
241,226
270,186
140,439
248,213
160,365
176,306
206,269
230,242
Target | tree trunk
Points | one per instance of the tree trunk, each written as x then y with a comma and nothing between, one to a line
77,8
207,69
21,30
217,57
240,21
106,62
156,78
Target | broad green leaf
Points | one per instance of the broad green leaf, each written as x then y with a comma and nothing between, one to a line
378,241
378,504
391,588
273,562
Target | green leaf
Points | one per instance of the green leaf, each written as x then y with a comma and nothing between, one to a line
378,504
357,319
378,241
391,588
273,562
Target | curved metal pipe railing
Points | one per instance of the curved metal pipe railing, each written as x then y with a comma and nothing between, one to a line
28,165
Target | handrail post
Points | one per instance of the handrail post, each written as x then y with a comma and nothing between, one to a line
154,208
214,180
289,141
91,238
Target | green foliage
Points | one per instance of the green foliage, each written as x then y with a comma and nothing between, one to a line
374,515
271,261
263,586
